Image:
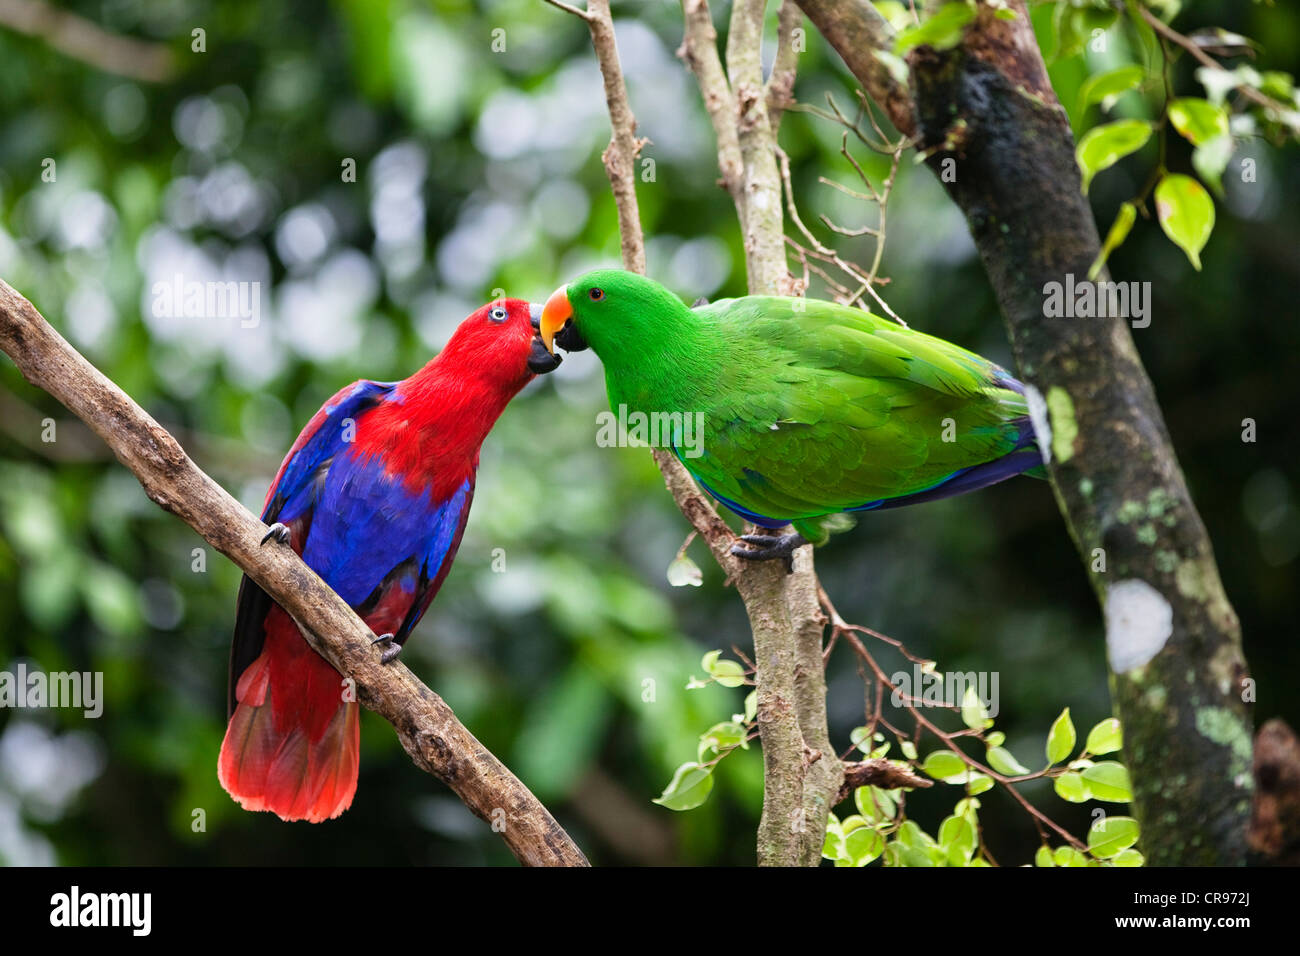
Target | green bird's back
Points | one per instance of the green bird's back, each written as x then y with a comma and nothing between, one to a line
807,408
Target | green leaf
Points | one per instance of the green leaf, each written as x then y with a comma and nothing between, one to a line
724,736
942,30
1119,231
909,749
729,674
899,17
876,804
913,856
1105,88
1043,857
1186,214
690,787
973,714
851,823
1109,781
978,783
1103,146
911,834
861,738
863,845
833,845
995,739
751,705
1211,158
683,571
1068,856
726,673
1061,738
1279,85
957,839
1111,835
1198,120
1002,761
1129,857
1071,788
945,765
1105,738
1074,25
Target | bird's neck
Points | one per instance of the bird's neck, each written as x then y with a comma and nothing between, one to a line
658,372
432,427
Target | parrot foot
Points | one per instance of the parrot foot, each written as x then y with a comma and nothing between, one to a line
277,531
392,649
766,547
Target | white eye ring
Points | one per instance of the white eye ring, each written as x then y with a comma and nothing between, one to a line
498,314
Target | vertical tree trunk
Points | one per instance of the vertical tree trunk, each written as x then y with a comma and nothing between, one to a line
1001,143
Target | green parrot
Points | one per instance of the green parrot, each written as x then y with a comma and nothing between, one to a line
789,411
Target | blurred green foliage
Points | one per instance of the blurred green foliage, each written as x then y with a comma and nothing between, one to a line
476,131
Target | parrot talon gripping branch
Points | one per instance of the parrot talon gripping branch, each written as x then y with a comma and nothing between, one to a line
391,648
277,531
769,548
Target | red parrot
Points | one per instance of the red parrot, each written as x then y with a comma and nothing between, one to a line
374,495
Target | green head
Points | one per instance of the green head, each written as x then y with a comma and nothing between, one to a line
618,314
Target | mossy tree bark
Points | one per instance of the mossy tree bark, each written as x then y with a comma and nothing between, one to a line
995,134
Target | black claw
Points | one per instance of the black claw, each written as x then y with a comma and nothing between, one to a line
391,651
277,531
766,547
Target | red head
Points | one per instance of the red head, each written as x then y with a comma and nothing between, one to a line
432,432
499,346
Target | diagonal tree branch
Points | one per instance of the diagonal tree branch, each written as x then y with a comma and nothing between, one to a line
75,36
435,740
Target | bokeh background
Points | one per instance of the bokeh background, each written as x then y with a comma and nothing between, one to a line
477,169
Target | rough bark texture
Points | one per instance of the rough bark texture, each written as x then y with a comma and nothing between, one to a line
802,774
987,104
987,113
436,741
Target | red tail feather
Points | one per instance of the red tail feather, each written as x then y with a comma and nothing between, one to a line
293,744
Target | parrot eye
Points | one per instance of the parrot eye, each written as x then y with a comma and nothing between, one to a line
596,295
498,314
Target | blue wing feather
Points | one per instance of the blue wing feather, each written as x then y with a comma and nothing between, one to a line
322,438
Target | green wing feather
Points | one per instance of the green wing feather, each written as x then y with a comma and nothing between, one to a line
817,408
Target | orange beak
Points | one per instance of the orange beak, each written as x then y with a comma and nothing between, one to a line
555,313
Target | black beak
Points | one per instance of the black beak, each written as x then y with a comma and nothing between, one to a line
541,361
570,339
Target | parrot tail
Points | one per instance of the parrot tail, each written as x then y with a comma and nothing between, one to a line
293,743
